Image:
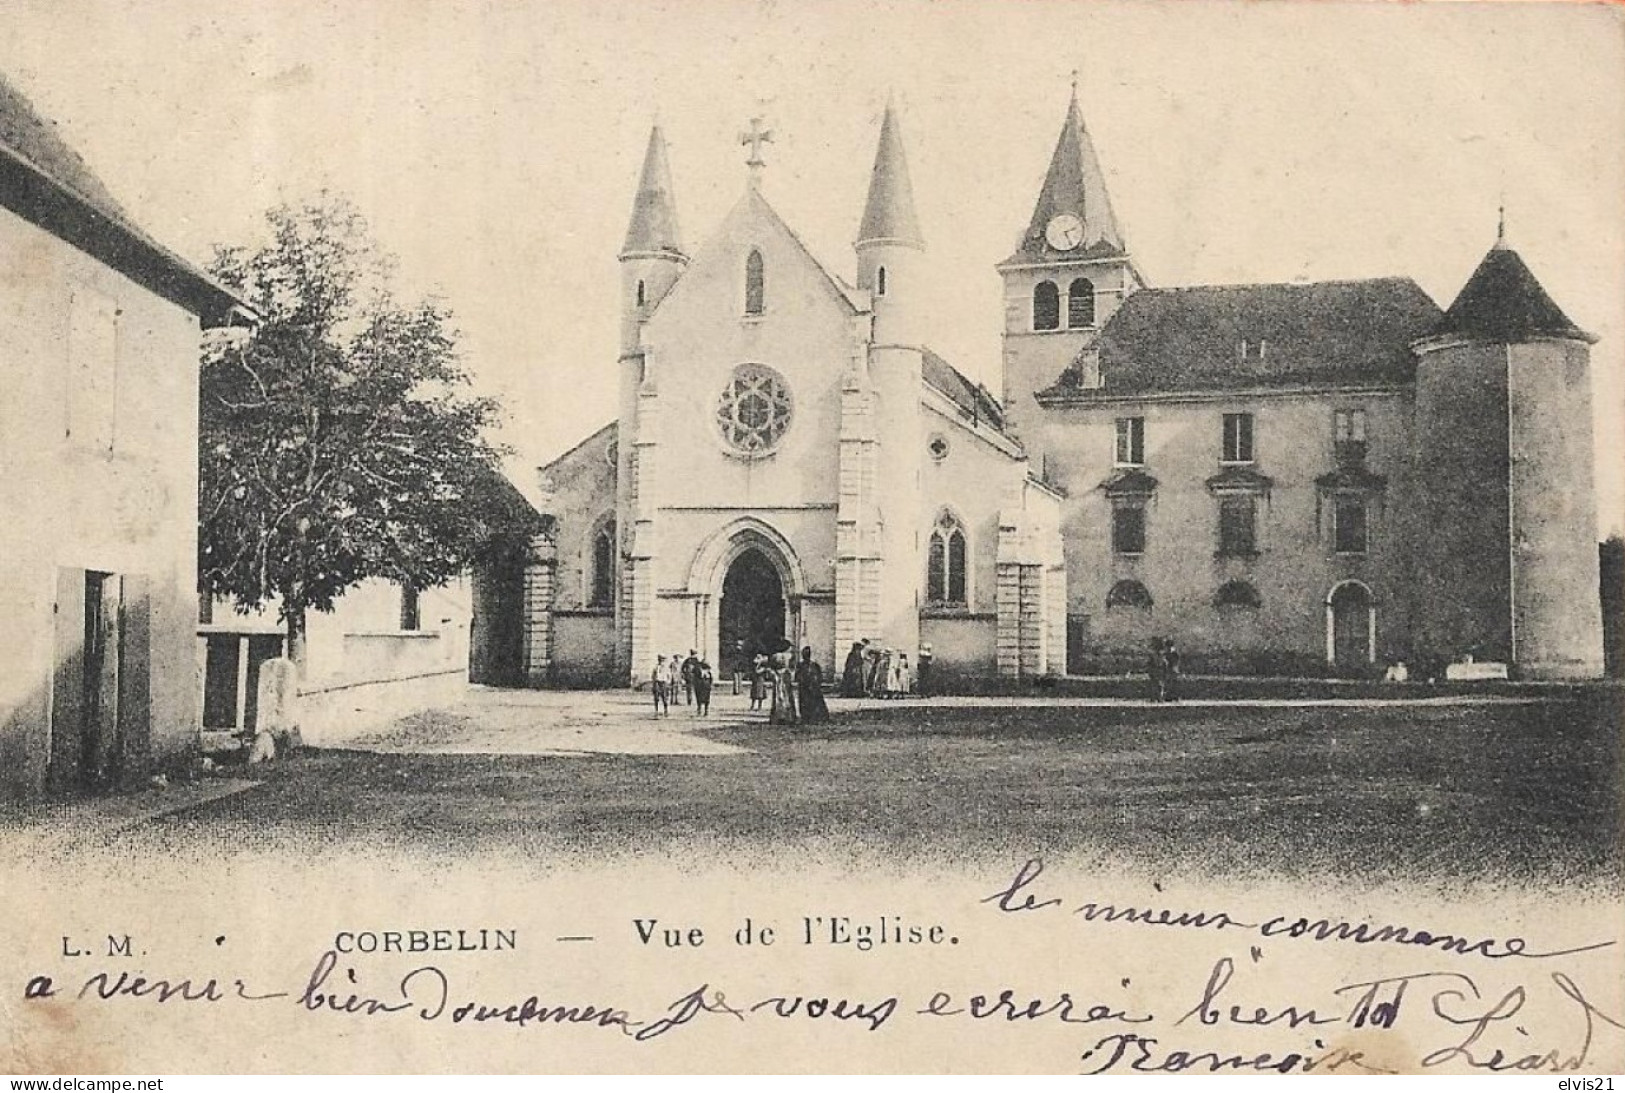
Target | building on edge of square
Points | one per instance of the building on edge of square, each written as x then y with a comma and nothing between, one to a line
1300,478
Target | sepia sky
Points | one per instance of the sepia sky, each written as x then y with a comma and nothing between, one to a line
495,146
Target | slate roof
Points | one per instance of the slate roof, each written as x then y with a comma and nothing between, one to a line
1502,301
1074,184
888,214
653,227
976,400
1190,339
45,181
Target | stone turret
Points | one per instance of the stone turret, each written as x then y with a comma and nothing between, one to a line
1506,564
890,248
652,257
891,254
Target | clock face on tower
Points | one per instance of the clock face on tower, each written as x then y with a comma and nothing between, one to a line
1064,232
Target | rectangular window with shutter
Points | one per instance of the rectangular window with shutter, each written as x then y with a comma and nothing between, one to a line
1131,442
1128,529
1349,518
1237,516
410,612
1348,437
1238,438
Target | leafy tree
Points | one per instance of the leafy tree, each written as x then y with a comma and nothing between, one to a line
338,439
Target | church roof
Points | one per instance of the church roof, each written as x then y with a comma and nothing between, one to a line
889,212
1074,184
977,401
1232,337
43,180
1502,301
653,227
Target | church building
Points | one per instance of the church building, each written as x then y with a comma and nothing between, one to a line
792,463
1280,478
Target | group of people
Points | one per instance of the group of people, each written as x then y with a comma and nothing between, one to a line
691,675
873,672
1163,669
792,690
794,687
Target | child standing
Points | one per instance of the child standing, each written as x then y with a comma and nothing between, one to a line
658,685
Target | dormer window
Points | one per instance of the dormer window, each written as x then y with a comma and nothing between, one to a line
1253,351
880,281
755,284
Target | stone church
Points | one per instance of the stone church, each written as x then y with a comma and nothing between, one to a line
1281,478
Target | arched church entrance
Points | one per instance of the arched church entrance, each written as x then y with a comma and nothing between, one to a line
752,615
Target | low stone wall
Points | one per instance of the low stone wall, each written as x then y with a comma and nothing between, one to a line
584,649
962,645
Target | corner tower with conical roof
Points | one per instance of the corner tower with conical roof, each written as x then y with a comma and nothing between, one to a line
1068,275
891,255
889,244
652,259
652,256
1504,539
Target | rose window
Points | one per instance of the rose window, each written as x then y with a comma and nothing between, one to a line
754,410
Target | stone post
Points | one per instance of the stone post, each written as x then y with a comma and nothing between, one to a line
541,572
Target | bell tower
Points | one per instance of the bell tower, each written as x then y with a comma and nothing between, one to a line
1069,273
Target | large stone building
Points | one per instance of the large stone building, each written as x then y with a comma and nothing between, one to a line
1278,477
792,463
99,334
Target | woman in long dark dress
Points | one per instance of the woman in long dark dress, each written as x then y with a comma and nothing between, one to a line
783,711
852,673
810,689
703,678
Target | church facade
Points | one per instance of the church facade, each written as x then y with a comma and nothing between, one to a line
1283,478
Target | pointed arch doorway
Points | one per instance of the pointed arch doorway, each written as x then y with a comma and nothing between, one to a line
748,586
751,617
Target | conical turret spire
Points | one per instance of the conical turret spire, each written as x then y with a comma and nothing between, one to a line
1074,186
1502,301
654,211
888,215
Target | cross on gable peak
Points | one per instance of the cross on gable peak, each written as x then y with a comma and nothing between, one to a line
756,136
